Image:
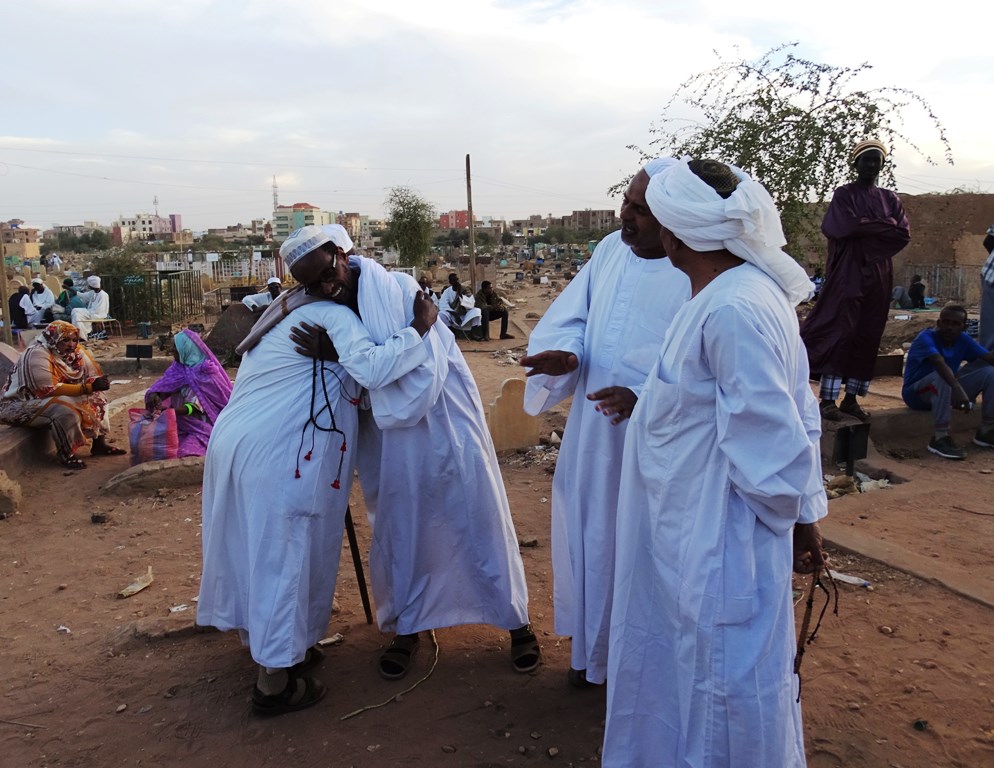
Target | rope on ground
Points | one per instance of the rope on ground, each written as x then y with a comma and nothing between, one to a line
396,696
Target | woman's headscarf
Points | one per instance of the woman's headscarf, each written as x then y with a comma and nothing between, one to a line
43,366
198,369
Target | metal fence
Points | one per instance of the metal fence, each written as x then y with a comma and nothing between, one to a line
155,297
947,283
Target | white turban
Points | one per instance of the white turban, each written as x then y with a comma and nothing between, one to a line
301,242
659,164
93,281
339,236
37,281
274,281
746,224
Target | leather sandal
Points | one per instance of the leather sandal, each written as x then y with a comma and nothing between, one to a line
299,693
830,411
852,408
526,654
396,659
72,462
578,678
312,658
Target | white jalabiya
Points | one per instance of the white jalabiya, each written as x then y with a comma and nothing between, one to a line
612,316
721,459
255,301
447,313
271,542
444,551
41,302
97,308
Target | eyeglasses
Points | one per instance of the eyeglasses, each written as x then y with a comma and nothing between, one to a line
804,638
326,276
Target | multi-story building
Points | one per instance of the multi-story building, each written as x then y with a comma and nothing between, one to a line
19,242
144,226
287,218
587,220
454,220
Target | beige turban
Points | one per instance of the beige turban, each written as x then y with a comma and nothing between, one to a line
866,146
746,223
301,242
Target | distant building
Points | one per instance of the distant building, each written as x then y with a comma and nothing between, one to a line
144,226
19,242
454,220
76,230
287,218
588,219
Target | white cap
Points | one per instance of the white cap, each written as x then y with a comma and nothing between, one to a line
301,242
37,281
339,236
274,281
93,281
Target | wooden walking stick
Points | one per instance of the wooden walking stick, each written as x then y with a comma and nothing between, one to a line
357,562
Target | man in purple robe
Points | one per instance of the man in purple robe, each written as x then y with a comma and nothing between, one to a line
196,387
865,226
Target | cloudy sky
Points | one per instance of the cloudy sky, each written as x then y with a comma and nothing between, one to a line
108,104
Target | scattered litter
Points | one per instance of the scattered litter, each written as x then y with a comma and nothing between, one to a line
527,542
336,639
63,629
98,517
845,578
920,725
121,708
121,381
179,608
843,485
137,585
902,317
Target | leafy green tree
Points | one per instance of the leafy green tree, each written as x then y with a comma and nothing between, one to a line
507,238
411,220
789,122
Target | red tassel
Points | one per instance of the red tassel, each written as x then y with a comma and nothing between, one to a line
354,401
308,456
343,446
296,473
336,485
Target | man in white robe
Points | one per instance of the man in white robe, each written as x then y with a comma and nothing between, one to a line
720,477
445,552
257,302
97,307
42,298
277,476
596,343
458,310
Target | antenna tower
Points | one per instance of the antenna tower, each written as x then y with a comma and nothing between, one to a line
155,202
276,195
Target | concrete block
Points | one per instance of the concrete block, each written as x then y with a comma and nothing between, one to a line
10,496
231,327
510,426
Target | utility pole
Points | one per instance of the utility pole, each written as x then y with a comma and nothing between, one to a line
472,231
8,321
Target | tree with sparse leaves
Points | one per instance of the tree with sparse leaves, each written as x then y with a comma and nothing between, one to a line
411,220
790,123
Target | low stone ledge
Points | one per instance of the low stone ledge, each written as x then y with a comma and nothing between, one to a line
166,473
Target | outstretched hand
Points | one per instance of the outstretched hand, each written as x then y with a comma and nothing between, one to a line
100,384
615,401
808,552
425,313
313,341
553,362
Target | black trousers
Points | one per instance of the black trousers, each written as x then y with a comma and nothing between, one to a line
493,314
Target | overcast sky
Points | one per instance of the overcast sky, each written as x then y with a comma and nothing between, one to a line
108,104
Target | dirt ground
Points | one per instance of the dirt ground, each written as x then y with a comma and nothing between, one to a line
131,684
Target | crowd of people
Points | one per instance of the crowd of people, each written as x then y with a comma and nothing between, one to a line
688,486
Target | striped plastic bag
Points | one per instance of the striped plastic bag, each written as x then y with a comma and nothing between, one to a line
152,436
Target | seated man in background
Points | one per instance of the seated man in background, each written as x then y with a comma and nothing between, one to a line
259,301
97,308
492,308
457,310
67,301
42,299
916,292
933,380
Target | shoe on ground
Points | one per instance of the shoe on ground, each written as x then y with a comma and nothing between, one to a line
506,336
830,411
946,448
852,408
984,438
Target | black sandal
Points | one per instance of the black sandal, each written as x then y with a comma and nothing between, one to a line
526,654
73,463
312,658
299,693
396,659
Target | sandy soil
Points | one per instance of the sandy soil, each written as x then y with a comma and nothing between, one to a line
132,684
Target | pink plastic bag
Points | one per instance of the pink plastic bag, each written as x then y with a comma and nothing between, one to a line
154,437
